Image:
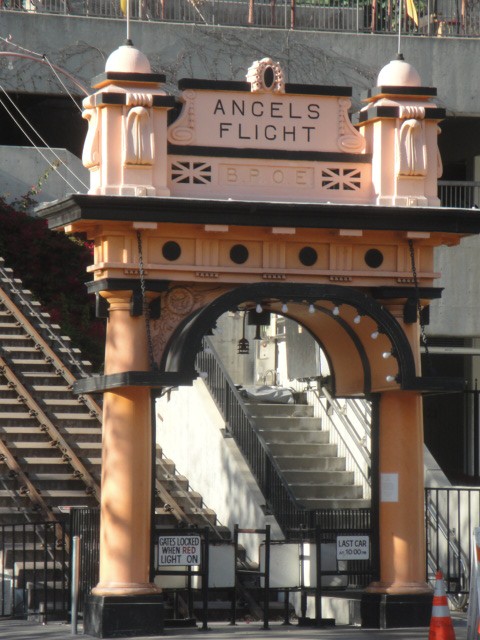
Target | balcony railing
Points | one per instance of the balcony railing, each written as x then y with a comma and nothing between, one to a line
459,194
431,17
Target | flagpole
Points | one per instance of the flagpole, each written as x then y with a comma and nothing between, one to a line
128,21
400,6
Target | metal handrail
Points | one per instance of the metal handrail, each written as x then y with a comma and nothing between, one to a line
239,400
16,291
361,445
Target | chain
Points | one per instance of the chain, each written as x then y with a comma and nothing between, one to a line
423,335
146,307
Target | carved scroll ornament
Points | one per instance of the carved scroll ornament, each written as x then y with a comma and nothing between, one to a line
139,142
182,131
411,153
91,147
349,140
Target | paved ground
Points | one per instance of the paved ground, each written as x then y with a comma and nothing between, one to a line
19,630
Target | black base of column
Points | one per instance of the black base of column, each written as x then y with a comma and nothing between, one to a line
123,616
385,611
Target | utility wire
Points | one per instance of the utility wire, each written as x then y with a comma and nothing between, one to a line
35,146
42,140
61,82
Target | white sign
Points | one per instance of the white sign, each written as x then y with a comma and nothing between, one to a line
353,547
389,487
175,551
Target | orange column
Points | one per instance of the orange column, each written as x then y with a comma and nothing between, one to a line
126,460
402,525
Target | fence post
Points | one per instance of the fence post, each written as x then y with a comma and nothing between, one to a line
266,595
75,581
233,620
206,569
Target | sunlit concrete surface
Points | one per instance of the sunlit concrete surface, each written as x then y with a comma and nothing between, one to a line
20,630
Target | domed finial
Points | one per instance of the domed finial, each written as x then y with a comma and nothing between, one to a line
127,59
398,73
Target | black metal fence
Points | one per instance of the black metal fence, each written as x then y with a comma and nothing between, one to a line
85,523
442,18
451,516
34,571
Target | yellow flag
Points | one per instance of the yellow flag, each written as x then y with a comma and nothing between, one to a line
123,7
410,7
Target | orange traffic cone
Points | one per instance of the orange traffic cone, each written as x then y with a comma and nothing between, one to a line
441,625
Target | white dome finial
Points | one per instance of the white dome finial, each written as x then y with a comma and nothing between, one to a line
398,73
128,59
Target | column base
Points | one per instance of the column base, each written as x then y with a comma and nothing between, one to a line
386,611
123,616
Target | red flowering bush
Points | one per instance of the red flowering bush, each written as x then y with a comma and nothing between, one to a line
53,266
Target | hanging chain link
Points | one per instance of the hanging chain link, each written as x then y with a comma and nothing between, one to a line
423,335
145,305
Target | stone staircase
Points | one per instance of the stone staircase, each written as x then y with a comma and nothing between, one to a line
50,439
308,461
50,457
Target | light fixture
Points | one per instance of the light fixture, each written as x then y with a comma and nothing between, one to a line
336,310
257,335
243,347
357,319
259,308
284,308
391,378
375,335
311,308
386,354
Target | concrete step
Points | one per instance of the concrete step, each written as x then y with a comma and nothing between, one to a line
272,409
320,438
313,490
310,466
316,477
335,503
288,423
298,449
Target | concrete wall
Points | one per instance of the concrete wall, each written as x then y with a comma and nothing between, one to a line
190,431
458,312
21,168
81,46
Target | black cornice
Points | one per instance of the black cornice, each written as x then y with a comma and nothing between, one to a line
374,113
126,284
78,207
246,87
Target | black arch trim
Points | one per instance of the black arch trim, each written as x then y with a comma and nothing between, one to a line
367,373
180,353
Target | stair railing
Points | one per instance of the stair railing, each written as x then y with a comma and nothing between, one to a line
15,291
280,501
350,434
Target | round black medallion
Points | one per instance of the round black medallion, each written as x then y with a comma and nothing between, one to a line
308,256
171,250
374,258
239,253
